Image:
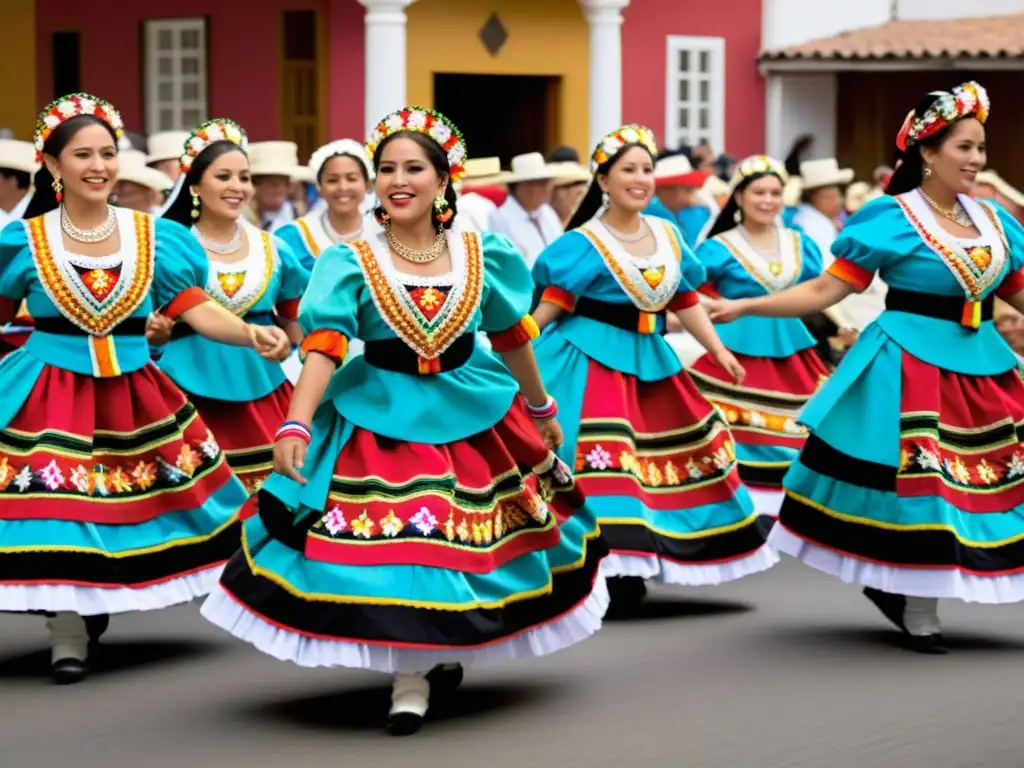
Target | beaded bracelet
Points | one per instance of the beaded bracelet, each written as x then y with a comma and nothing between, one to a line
543,412
294,429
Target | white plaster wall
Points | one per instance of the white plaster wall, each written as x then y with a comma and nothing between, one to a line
956,9
799,104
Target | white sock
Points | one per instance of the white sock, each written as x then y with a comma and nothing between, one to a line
410,693
69,639
921,616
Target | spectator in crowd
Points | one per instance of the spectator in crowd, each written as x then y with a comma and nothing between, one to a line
821,208
164,150
17,164
477,203
990,185
527,217
138,186
677,199
275,169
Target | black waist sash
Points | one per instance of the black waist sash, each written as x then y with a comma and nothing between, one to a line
395,355
624,316
950,308
60,326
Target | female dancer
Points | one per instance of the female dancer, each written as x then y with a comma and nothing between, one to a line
114,495
242,398
749,252
401,532
654,458
910,481
344,176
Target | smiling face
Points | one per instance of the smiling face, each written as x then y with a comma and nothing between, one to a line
407,182
343,184
225,186
761,200
956,162
87,166
630,181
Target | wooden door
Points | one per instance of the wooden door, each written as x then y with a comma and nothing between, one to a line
300,82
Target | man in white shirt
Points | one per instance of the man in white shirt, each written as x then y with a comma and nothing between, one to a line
527,217
17,166
275,168
476,211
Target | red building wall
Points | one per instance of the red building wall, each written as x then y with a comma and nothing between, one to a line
244,49
649,22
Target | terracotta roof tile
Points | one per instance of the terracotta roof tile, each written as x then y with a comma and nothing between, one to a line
1000,37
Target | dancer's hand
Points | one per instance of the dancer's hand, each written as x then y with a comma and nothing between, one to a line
158,329
728,360
290,457
271,342
551,431
848,336
725,310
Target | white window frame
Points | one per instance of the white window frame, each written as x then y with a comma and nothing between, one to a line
153,53
715,132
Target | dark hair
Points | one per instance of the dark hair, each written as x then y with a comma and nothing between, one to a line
360,163
437,158
593,198
910,171
45,199
180,210
564,155
726,218
22,178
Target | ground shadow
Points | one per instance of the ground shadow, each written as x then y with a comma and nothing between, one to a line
879,637
660,608
366,708
109,658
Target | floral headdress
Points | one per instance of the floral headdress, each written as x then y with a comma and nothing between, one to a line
350,147
218,129
429,122
966,100
73,105
758,165
613,143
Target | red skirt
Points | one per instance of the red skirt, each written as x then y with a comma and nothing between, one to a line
470,505
660,442
245,431
108,451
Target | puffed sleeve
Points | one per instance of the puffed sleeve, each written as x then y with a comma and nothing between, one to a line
1013,232
564,270
862,248
715,258
15,266
810,255
508,293
329,309
294,279
180,269
292,236
693,272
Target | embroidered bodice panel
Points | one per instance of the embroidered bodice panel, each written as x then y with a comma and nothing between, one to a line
774,273
239,286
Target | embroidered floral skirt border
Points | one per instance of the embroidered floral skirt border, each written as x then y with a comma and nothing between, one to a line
912,481
111,490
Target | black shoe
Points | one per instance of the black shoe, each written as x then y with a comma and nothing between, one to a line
96,626
930,645
626,594
69,671
445,679
891,606
403,723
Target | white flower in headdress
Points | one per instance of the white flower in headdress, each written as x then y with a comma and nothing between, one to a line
233,134
215,133
115,120
457,154
376,137
394,123
631,136
440,132
52,121
196,144
87,106
40,143
417,121
67,108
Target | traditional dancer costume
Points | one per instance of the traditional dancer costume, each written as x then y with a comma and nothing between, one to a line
114,495
654,458
312,234
417,540
783,369
912,481
241,397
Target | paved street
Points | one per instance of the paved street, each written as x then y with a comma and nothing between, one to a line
789,669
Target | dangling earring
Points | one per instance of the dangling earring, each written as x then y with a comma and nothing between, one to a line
380,215
927,172
58,190
442,211
738,216
195,206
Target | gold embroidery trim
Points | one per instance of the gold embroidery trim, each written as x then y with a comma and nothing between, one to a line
427,344
65,299
636,296
268,275
307,235
752,271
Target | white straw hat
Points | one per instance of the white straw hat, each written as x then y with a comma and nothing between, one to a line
18,156
824,173
132,167
483,172
529,167
277,158
568,172
166,145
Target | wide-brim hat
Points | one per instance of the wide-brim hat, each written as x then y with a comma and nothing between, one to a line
1002,186
483,172
18,156
529,167
133,168
568,172
677,171
166,145
815,174
278,158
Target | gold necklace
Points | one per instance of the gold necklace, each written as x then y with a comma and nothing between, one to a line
956,214
417,257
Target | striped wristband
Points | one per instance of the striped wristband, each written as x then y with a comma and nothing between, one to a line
543,412
294,429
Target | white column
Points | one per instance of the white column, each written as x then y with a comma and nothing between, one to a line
605,20
384,75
